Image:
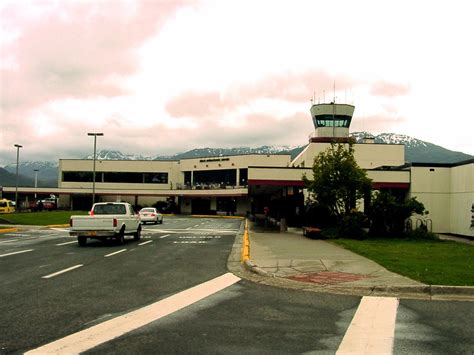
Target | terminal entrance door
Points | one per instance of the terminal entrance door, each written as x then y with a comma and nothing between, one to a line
201,206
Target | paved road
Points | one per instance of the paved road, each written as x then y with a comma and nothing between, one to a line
51,288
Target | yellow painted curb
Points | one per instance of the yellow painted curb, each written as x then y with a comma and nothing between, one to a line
246,244
57,225
8,230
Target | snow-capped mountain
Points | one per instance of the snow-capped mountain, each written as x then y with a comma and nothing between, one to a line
115,155
215,152
416,150
390,138
47,173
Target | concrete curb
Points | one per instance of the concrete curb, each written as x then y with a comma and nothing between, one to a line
432,292
217,216
57,225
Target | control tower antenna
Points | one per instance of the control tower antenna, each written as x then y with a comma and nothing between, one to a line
334,112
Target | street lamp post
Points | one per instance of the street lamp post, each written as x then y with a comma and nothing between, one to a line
93,167
18,146
36,180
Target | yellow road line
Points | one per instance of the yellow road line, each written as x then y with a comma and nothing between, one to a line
8,230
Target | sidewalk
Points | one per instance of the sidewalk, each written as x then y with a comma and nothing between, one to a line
322,266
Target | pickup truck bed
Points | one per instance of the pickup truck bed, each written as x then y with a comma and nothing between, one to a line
106,220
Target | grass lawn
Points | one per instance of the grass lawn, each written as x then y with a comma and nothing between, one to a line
430,262
40,218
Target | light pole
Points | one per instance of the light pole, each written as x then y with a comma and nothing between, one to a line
18,146
36,180
93,168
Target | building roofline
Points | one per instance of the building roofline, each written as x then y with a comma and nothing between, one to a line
441,165
122,160
236,155
279,167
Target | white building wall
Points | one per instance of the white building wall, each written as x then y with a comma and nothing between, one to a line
170,167
368,156
234,162
431,186
462,200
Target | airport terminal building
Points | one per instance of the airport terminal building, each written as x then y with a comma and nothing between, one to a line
243,184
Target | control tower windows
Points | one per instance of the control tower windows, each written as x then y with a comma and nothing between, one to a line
332,121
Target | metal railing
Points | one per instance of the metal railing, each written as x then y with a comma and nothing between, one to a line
210,186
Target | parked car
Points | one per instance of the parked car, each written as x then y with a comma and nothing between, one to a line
47,204
7,206
150,214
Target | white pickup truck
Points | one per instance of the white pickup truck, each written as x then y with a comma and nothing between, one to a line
106,220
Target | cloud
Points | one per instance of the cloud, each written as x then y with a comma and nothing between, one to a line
378,123
257,129
196,104
383,88
290,87
74,49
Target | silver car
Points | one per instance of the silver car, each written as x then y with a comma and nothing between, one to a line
150,214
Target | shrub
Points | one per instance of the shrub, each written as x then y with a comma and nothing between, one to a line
388,214
329,233
421,233
317,215
351,226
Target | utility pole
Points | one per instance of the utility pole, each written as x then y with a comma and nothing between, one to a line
93,168
18,146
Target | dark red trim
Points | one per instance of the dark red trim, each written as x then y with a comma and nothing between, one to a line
277,182
391,185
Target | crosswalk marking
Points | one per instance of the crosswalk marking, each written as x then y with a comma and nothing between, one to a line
372,330
113,328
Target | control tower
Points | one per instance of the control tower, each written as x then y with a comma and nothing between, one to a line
331,122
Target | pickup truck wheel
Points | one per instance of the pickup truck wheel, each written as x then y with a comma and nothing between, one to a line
82,240
138,234
120,238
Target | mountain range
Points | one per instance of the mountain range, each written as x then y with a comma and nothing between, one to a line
415,151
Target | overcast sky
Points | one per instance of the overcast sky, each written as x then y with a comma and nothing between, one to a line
163,77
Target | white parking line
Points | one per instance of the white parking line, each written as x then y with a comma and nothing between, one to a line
66,243
150,241
117,252
49,235
372,330
89,338
164,236
16,252
9,241
62,271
